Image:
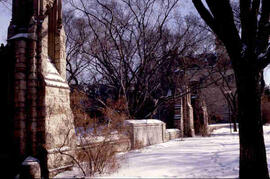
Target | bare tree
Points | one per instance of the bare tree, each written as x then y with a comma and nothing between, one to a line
6,4
250,53
130,41
78,62
222,76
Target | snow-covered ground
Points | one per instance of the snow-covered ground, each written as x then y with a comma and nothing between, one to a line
199,157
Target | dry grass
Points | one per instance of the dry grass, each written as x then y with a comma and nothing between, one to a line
97,151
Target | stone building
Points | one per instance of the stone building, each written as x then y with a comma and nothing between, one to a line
205,84
37,94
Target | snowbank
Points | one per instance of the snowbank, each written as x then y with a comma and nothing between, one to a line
198,157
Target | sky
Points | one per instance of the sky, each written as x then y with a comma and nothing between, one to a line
5,16
185,6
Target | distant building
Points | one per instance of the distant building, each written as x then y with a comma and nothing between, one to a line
211,86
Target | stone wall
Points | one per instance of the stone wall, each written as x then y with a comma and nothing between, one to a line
59,128
172,134
146,132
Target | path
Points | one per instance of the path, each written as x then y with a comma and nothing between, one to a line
199,157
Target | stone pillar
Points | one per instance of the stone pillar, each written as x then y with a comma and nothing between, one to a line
199,109
30,169
178,116
43,120
201,117
20,90
188,115
60,53
205,115
32,83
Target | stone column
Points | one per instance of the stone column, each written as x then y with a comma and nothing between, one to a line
60,53
188,115
30,168
178,116
205,116
20,93
201,117
60,41
32,87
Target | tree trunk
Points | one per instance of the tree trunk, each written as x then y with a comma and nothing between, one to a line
233,117
253,162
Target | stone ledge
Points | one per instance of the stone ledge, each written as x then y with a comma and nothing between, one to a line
146,132
55,171
172,134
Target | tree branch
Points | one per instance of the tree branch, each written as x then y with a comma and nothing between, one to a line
205,14
264,27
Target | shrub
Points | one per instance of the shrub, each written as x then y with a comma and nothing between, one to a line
96,153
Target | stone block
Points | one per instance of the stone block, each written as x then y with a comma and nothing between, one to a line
20,67
19,105
19,125
33,114
20,114
50,91
32,69
32,86
21,50
30,168
20,96
20,58
20,44
20,134
146,132
20,84
57,56
19,76
172,134
41,127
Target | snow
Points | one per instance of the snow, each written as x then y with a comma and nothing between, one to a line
266,74
144,121
262,55
244,50
62,149
52,77
50,67
90,139
20,35
30,160
172,130
199,157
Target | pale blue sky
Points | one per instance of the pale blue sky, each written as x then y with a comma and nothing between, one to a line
186,7
5,16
